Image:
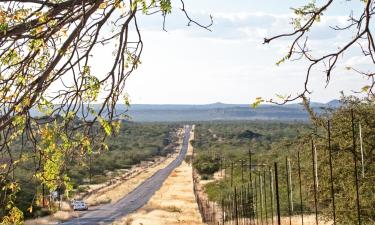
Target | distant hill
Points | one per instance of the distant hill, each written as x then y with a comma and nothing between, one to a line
215,111
221,111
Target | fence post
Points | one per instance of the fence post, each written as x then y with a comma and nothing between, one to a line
355,169
235,205
231,174
242,171
239,204
261,198
222,211
250,177
255,189
214,212
251,197
265,195
277,196
251,191
331,173
230,208
221,166
225,170
314,178
244,197
288,189
300,184
272,194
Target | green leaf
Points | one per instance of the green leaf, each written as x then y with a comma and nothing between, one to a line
257,102
106,126
365,88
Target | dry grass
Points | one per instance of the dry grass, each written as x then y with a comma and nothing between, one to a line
113,194
296,220
53,219
110,195
173,204
107,196
107,193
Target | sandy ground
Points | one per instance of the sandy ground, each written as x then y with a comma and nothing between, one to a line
217,176
307,220
108,193
173,204
296,220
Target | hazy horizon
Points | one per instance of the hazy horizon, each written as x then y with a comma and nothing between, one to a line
226,103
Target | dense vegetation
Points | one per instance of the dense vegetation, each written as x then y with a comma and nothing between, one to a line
226,142
134,143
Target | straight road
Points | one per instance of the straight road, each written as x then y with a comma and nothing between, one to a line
108,213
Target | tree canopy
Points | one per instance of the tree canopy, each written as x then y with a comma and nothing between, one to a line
52,105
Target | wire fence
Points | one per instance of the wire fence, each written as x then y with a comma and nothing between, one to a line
324,183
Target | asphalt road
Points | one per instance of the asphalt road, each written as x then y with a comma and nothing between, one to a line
108,213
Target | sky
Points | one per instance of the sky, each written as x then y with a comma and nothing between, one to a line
190,65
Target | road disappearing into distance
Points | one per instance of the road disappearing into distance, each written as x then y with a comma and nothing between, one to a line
108,213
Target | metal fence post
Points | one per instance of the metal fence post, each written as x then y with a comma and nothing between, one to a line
288,190
277,196
235,205
300,185
314,178
331,173
355,169
272,194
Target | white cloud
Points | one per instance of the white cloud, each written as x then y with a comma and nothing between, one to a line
359,61
230,64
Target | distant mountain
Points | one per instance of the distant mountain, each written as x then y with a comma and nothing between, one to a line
334,103
215,111
222,111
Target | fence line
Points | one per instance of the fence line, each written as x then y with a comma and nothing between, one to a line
289,190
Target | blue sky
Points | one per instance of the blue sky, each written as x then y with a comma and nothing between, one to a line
189,65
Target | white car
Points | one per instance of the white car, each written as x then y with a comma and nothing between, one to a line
79,205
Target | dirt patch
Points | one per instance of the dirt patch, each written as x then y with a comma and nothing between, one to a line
216,176
307,220
53,219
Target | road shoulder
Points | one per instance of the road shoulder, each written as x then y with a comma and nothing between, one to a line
110,194
173,203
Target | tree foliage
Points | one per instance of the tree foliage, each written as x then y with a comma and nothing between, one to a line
354,119
48,88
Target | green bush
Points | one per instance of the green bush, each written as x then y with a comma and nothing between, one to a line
206,165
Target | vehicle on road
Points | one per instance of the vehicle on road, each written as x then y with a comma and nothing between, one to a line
79,206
